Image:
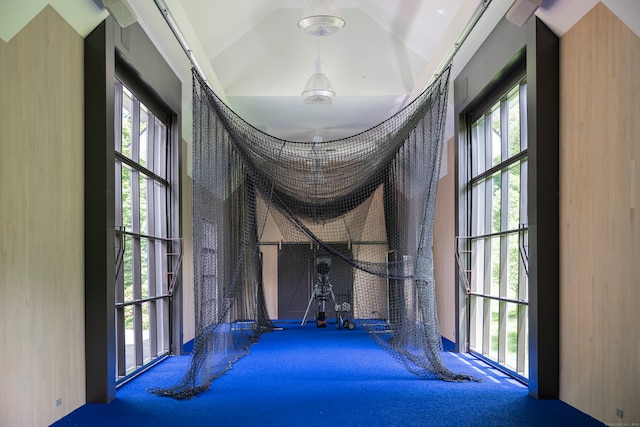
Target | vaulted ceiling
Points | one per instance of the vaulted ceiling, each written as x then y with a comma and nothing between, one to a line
257,60
262,60
383,57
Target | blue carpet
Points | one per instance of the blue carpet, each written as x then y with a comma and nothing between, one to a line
328,377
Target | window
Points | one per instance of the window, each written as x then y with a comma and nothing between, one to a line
496,247
144,249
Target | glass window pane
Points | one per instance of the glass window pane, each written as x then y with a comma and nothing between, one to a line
476,316
478,203
144,226
127,198
513,105
513,263
127,268
118,117
118,191
120,337
523,246
494,329
127,123
144,268
137,268
496,138
477,264
160,210
511,353
144,132
160,268
129,340
135,200
495,266
496,202
160,150
162,307
478,164
151,256
523,116
146,347
523,192
514,196
153,328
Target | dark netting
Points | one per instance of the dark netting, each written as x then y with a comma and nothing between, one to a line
363,206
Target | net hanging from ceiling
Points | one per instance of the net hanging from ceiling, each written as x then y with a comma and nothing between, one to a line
362,206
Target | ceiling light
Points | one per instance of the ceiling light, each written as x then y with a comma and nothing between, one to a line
321,18
318,89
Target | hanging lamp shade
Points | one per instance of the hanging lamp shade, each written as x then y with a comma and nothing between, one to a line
318,89
321,18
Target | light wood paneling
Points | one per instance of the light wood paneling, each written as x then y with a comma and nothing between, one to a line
600,233
444,248
41,223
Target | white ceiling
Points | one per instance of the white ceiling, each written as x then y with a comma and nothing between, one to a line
262,60
257,60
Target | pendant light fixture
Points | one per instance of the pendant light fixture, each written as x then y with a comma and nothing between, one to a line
318,89
321,18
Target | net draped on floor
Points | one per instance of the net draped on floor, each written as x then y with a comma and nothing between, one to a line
365,204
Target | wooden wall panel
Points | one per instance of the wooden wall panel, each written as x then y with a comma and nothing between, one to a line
444,248
599,218
41,223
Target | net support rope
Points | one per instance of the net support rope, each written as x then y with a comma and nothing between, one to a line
363,204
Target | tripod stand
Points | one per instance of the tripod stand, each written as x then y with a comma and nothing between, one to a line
322,292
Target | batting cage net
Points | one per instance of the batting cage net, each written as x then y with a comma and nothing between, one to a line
361,207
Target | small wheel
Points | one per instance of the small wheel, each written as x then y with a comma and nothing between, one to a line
351,325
